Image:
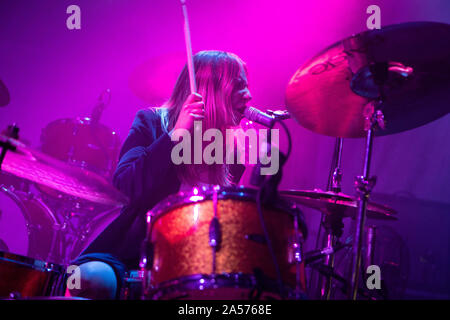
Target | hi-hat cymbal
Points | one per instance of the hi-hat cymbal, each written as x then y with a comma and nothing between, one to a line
4,94
337,203
35,166
328,94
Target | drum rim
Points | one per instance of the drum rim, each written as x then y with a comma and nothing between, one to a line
19,197
202,282
205,193
14,195
80,121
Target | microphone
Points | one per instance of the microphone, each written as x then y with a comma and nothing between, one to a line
259,116
266,119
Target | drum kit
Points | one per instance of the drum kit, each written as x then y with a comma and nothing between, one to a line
229,242
54,201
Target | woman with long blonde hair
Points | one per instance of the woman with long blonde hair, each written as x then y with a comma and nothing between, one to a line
147,174
222,96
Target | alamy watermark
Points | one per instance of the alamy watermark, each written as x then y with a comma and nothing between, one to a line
74,279
374,280
259,149
374,20
74,20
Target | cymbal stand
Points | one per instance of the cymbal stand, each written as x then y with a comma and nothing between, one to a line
332,224
378,73
364,185
335,183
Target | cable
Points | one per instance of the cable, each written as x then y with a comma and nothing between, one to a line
261,216
269,242
288,134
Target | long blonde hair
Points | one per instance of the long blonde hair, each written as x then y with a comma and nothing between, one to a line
216,73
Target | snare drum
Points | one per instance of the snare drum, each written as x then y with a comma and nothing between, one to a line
192,255
23,277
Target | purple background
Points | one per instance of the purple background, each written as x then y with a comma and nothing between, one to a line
53,73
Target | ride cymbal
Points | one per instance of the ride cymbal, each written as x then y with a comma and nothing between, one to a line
408,65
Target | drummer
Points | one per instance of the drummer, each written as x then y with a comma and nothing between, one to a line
147,174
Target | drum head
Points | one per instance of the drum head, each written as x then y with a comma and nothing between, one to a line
13,225
27,226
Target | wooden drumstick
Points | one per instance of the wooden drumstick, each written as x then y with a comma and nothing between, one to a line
190,59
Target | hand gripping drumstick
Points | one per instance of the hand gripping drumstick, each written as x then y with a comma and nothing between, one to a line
190,59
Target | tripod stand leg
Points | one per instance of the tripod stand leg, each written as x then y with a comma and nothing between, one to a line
325,291
363,185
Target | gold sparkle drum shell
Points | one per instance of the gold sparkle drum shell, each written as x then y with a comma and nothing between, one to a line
185,265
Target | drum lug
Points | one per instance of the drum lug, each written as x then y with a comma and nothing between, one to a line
215,234
15,295
295,250
215,231
147,255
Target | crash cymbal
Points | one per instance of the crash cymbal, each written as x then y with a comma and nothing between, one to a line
331,203
411,62
35,166
4,94
154,80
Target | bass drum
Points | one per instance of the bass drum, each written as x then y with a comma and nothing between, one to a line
27,226
210,244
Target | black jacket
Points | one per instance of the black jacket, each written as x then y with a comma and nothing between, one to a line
147,175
